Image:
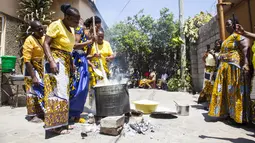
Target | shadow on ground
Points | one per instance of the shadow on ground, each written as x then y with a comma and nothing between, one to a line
237,140
199,107
250,127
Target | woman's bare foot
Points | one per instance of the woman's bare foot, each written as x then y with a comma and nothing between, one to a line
35,119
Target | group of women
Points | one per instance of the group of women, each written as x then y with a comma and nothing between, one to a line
59,67
227,86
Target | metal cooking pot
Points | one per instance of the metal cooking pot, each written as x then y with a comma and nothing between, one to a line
182,110
112,100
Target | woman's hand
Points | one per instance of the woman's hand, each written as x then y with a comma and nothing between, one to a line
97,55
239,29
246,67
108,59
204,57
73,68
35,81
53,67
93,66
94,39
223,57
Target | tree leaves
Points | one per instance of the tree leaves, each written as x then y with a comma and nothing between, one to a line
30,10
192,25
147,43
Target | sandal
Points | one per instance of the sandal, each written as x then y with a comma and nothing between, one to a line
60,131
70,127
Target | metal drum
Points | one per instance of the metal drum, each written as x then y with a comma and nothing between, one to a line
112,100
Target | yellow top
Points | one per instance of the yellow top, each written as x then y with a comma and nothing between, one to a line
209,60
62,38
32,49
230,49
105,50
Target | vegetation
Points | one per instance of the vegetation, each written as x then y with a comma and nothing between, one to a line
30,10
143,43
192,25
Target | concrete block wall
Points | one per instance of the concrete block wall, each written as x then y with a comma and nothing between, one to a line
11,48
207,35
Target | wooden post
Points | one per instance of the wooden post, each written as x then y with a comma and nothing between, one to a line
220,13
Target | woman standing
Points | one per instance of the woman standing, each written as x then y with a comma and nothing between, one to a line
229,87
33,56
105,53
80,81
58,45
250,35
210,60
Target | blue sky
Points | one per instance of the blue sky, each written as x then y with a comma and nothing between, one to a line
110,9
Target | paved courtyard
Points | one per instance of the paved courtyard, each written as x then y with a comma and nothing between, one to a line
197,127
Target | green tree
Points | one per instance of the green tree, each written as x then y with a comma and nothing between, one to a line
143,42
192,25
30,10
191,31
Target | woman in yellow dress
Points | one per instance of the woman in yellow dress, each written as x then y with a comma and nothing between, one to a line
33,56
58,45
105,53
229,89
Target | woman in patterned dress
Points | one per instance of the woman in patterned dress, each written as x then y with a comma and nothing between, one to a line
210,59
58,45
33,56
80,80
229,89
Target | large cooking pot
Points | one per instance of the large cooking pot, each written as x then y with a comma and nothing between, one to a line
112,100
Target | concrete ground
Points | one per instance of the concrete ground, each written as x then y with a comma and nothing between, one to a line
197,127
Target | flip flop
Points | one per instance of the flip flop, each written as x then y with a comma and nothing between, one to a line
60,131
70,127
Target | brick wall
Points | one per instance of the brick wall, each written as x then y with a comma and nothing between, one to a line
207,35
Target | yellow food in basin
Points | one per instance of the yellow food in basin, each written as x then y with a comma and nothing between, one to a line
146,106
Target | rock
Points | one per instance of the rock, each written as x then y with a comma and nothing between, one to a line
112,122
111,131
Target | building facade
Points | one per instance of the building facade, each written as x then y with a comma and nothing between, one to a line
9,25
